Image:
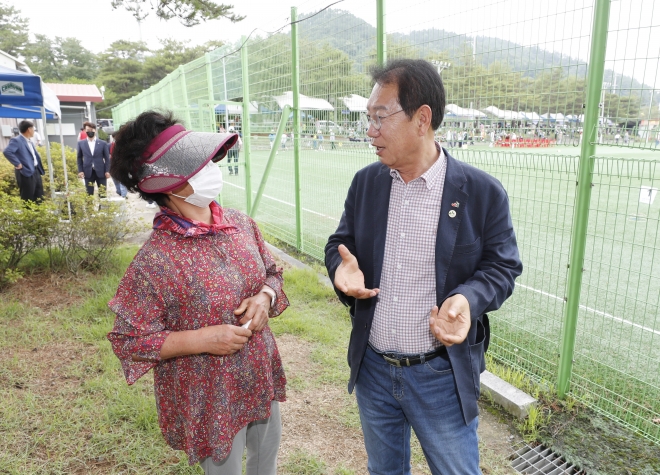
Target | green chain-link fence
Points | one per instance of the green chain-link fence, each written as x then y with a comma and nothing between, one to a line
575,143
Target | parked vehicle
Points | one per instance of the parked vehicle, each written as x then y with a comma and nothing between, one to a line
106,125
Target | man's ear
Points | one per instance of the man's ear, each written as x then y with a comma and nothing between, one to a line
424,116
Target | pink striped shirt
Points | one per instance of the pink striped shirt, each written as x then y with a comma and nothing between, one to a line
408,284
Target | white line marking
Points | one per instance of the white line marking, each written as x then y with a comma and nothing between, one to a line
589,309
286,203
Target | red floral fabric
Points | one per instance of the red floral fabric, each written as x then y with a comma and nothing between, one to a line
189,275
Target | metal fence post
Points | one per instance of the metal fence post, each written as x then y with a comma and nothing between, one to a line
245,125
184,92
271,158
583,195
295,87
209,84
381,35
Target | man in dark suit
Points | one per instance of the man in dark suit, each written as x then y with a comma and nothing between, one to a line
425,247
93,161
28,168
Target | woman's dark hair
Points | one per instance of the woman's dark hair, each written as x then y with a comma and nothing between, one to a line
418,83
131,141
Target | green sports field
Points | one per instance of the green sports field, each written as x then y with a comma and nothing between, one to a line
617,360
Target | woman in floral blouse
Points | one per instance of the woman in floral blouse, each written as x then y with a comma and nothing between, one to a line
195,302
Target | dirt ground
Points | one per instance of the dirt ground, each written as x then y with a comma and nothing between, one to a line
310,422
311,416
314,411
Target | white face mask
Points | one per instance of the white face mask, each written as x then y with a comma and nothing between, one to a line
206,185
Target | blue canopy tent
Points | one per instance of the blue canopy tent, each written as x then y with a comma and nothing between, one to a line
24,96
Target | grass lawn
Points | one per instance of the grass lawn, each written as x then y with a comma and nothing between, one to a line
617,359
66,408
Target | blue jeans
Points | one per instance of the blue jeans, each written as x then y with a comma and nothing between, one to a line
392,400
121,189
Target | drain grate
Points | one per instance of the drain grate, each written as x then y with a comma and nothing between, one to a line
540,460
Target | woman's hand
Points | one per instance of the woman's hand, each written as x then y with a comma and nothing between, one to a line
223,339
254,308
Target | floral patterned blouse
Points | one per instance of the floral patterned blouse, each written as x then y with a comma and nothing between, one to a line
189,275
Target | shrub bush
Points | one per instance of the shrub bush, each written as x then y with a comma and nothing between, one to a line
88,239
8,180
84,242
24,227
7,177
58,168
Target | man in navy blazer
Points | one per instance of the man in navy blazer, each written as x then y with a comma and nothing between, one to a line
93,161
424,249
28,168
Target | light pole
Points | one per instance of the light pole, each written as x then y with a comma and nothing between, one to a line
602,127
440,65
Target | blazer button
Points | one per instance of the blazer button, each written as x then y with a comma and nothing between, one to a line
365,326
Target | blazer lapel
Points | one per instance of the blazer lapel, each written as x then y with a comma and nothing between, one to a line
448,225
381,205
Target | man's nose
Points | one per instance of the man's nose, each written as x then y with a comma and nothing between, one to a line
372,131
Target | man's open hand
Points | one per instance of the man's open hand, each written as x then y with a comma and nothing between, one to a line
450,324
349,278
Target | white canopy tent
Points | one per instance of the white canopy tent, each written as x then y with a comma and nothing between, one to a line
306,102
531,116
506,114
575,118
355,103
235,109
465,113
558,118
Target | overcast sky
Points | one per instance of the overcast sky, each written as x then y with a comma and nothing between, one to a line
560,25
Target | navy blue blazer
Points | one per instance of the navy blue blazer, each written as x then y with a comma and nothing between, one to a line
101,158
17,152
476,255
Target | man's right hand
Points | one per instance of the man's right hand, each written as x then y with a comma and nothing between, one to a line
19,167
81,175
223,339
349,278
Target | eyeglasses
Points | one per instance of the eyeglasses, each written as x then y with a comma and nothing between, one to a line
376,120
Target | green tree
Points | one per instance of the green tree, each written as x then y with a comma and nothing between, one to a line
620,108
60,59
41,57
77,61
189,12
122,71
13,30
170,56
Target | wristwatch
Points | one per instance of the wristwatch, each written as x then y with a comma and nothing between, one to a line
267,290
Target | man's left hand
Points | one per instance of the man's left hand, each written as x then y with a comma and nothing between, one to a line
107,175
450,324
256,309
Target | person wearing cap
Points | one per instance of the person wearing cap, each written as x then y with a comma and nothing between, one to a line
195,302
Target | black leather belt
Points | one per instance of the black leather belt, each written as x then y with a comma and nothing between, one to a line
411,360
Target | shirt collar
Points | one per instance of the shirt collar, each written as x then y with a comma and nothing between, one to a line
169,220
431,175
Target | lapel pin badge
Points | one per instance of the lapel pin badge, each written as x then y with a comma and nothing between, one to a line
452,213
455,204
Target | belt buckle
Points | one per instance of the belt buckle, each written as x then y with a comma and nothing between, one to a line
392,361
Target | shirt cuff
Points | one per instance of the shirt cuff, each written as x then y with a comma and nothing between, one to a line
267,290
